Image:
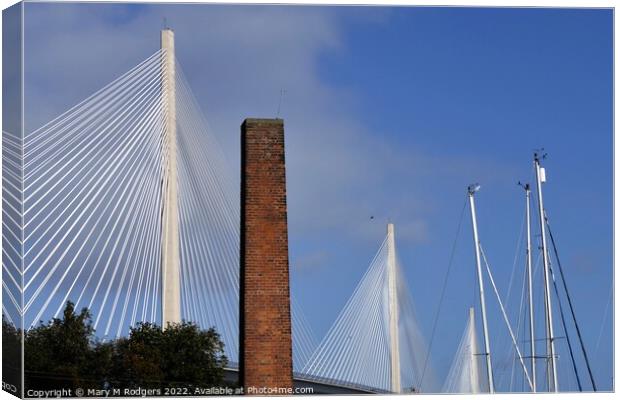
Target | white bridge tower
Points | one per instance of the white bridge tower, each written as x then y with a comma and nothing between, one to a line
393,311
171,259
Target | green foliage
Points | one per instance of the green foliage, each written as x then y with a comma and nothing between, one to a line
56,354
64,354
189,355
182,355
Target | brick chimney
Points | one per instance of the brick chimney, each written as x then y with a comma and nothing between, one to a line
265,356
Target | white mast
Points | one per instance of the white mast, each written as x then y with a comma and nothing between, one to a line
393,311
471,190
171,279
529,284
540,178
474,378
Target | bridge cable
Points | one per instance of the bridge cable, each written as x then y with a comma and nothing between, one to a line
93,181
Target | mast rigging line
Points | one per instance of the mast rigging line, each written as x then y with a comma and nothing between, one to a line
605,313
570,346
520,318
570,304
516,257
443,292
510,285
499,300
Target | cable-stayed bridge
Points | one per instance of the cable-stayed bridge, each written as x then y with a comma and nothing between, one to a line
85,206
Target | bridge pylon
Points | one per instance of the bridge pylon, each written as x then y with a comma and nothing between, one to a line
171,258
393,311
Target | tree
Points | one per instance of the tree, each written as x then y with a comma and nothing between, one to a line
193,356
137,359
56,354
65,354
182,355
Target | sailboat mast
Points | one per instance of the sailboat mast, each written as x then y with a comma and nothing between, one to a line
474,379
471,190
540,178
528,193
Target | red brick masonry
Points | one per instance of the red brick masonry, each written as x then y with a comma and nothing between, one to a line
265,320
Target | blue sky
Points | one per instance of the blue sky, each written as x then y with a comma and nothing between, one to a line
390,113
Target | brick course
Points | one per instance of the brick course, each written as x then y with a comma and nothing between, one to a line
265,320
